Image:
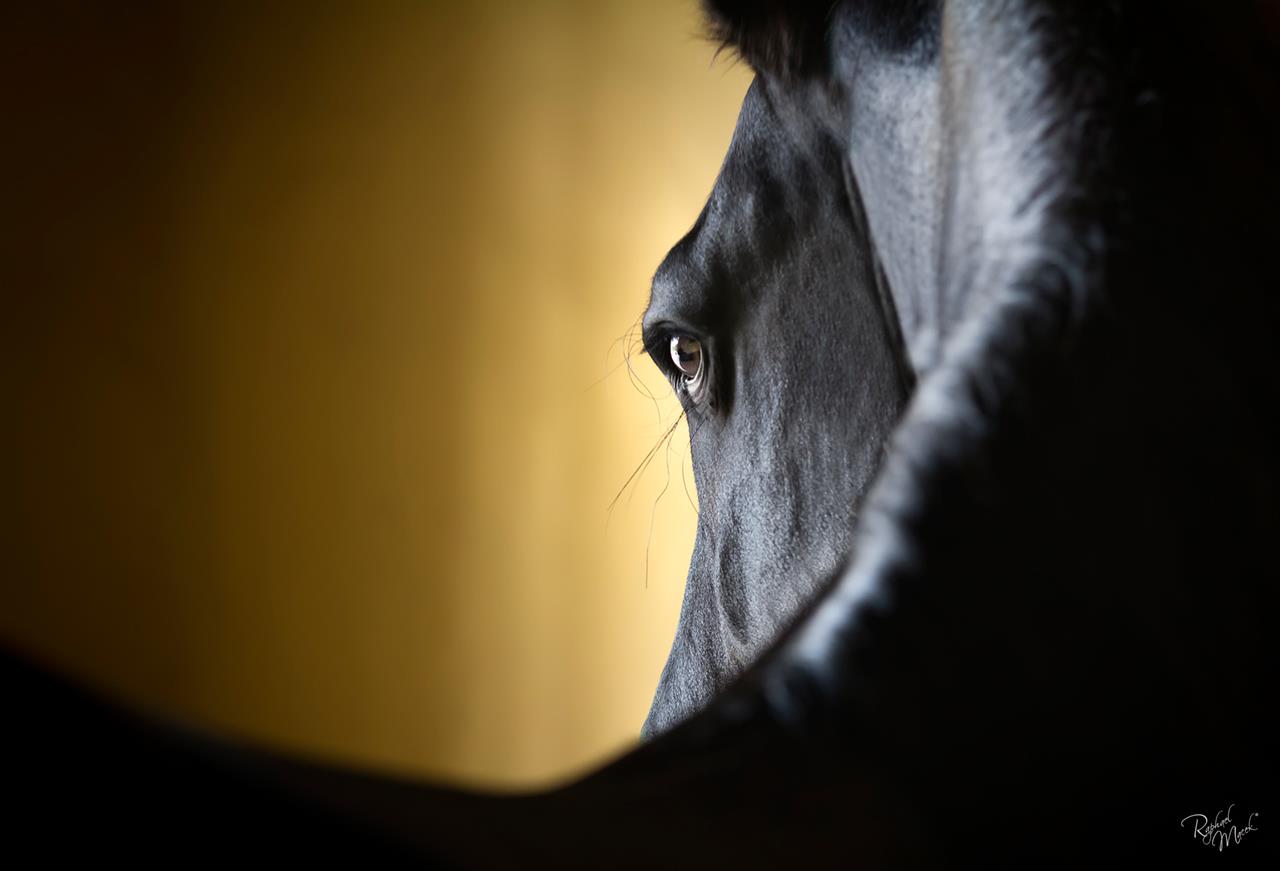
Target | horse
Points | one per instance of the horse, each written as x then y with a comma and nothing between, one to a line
976,337
1057,560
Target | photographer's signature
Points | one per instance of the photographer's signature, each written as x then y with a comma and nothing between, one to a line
1220,833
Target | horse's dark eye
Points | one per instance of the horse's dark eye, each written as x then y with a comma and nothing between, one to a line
686,353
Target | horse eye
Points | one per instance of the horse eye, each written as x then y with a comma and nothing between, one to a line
686,353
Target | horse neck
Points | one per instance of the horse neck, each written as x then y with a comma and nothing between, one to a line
965,145
1033,143
894,151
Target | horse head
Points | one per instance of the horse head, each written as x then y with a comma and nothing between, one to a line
766,318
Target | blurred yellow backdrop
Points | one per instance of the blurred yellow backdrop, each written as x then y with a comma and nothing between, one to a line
317,316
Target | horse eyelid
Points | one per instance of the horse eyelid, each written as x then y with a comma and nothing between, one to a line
657,344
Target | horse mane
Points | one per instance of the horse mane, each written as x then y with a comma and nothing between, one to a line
786,39
791,40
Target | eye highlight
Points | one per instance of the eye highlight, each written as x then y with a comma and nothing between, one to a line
689,358
686,353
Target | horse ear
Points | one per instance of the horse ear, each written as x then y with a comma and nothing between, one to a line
773,36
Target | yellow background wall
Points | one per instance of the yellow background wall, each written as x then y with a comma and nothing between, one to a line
315,319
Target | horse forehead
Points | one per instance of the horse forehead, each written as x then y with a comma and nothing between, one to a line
766,187
720,253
